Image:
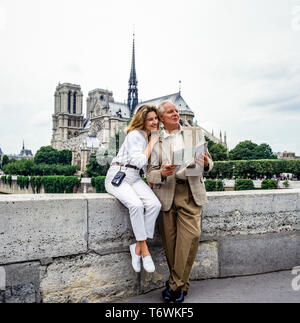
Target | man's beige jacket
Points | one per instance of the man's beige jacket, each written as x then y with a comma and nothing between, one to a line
162,154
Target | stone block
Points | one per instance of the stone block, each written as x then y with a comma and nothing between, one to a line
151,281
33,227
22,283
254,254
109,224
298,202
285,201
20,294
205,266
235,213
89,278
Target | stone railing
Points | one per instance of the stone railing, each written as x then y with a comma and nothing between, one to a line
74,248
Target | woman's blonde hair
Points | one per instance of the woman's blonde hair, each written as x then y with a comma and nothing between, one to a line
139,119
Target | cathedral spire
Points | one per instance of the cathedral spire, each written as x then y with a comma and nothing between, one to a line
132,90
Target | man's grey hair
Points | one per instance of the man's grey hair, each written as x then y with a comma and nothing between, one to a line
161,105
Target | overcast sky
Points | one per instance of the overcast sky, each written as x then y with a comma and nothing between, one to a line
238,60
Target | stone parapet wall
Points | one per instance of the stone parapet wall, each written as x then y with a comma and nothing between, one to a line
74,247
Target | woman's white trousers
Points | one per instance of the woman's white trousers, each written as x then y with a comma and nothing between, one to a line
137,196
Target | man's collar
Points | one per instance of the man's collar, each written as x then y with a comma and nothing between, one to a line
166,134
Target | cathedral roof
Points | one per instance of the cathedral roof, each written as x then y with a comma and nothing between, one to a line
176,98
117,107
68,85
121,110
25,152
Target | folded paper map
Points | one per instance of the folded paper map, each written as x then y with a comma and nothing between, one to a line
190,159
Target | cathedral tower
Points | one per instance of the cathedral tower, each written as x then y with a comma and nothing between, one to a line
132,101
67,118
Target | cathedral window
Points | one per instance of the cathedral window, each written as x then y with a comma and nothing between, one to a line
74,102
69,102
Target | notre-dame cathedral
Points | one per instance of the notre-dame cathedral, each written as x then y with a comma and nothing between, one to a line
104,117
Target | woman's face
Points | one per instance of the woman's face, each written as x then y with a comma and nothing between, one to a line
151,122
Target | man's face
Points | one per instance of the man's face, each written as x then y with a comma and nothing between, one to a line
170,117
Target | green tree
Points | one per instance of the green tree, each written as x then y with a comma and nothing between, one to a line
243,151
5,160
263,151
217,151
65,157
210,143
49,155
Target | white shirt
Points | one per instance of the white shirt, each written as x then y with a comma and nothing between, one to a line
175,139
132,149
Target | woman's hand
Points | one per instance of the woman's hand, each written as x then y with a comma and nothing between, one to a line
153,139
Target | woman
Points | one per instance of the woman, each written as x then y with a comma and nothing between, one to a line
133,192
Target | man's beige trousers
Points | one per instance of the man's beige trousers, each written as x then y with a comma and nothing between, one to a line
180,230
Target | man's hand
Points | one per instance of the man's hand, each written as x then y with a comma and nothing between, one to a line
168,170
202,161
150,184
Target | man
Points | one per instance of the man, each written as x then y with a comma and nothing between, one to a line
181,196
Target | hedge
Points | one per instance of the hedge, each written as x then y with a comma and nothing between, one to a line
9,180
255,168
210,185
98,183
219,185
213,185
23,181
244,184
269,184
60,184
52,184
36,183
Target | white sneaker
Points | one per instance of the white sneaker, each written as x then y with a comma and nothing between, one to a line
148,264
135,259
